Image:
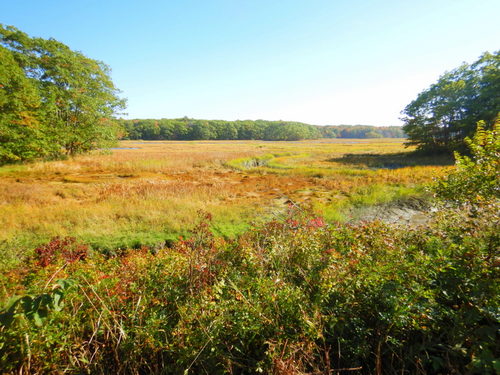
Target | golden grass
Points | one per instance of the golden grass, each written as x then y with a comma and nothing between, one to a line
153,192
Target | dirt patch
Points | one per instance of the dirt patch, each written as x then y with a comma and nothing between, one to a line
411,212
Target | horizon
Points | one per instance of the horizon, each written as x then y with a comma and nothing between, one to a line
320,63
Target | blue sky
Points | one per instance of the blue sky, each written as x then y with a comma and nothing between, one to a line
321,62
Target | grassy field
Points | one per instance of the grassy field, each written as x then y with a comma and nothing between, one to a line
147,193
242,258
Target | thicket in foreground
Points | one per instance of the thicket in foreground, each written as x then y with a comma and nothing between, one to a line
289,298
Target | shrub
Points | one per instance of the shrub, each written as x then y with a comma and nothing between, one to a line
288,297
476,178
61,248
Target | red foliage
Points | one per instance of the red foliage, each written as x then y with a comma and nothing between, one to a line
65,248
318,222
202,253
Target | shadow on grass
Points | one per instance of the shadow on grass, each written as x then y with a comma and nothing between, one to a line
396,160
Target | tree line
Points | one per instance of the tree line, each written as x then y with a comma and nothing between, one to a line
361,131
193,129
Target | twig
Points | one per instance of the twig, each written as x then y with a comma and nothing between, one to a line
54,275
348,369
186,371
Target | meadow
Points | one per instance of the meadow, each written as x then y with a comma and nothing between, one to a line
147,193
248,257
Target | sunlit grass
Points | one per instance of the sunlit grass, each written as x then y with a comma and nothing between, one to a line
153,193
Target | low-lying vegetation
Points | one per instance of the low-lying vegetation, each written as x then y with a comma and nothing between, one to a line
294,295
290,297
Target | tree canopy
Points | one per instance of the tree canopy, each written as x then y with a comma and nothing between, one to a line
193,129
54,101
442,116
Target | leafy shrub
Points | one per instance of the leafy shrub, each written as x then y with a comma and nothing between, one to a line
288,297
65,248
476,178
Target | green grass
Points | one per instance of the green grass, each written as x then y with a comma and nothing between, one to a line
12,169
249,163
379,194
337,210
259,162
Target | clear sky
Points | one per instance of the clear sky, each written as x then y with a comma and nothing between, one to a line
316,61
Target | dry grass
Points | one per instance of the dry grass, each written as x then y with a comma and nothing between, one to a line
153,191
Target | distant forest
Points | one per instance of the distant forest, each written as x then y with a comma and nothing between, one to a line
192,129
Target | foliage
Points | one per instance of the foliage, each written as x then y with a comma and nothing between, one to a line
291,296
55,101
442,116
476,178
34,308
192,129
20,133
65,248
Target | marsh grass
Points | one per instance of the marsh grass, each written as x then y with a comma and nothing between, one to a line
148,194
395,160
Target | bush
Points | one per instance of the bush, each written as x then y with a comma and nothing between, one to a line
292,296
476,178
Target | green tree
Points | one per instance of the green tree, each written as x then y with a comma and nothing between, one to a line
227,130
201,130
78,100
442,116
21,132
